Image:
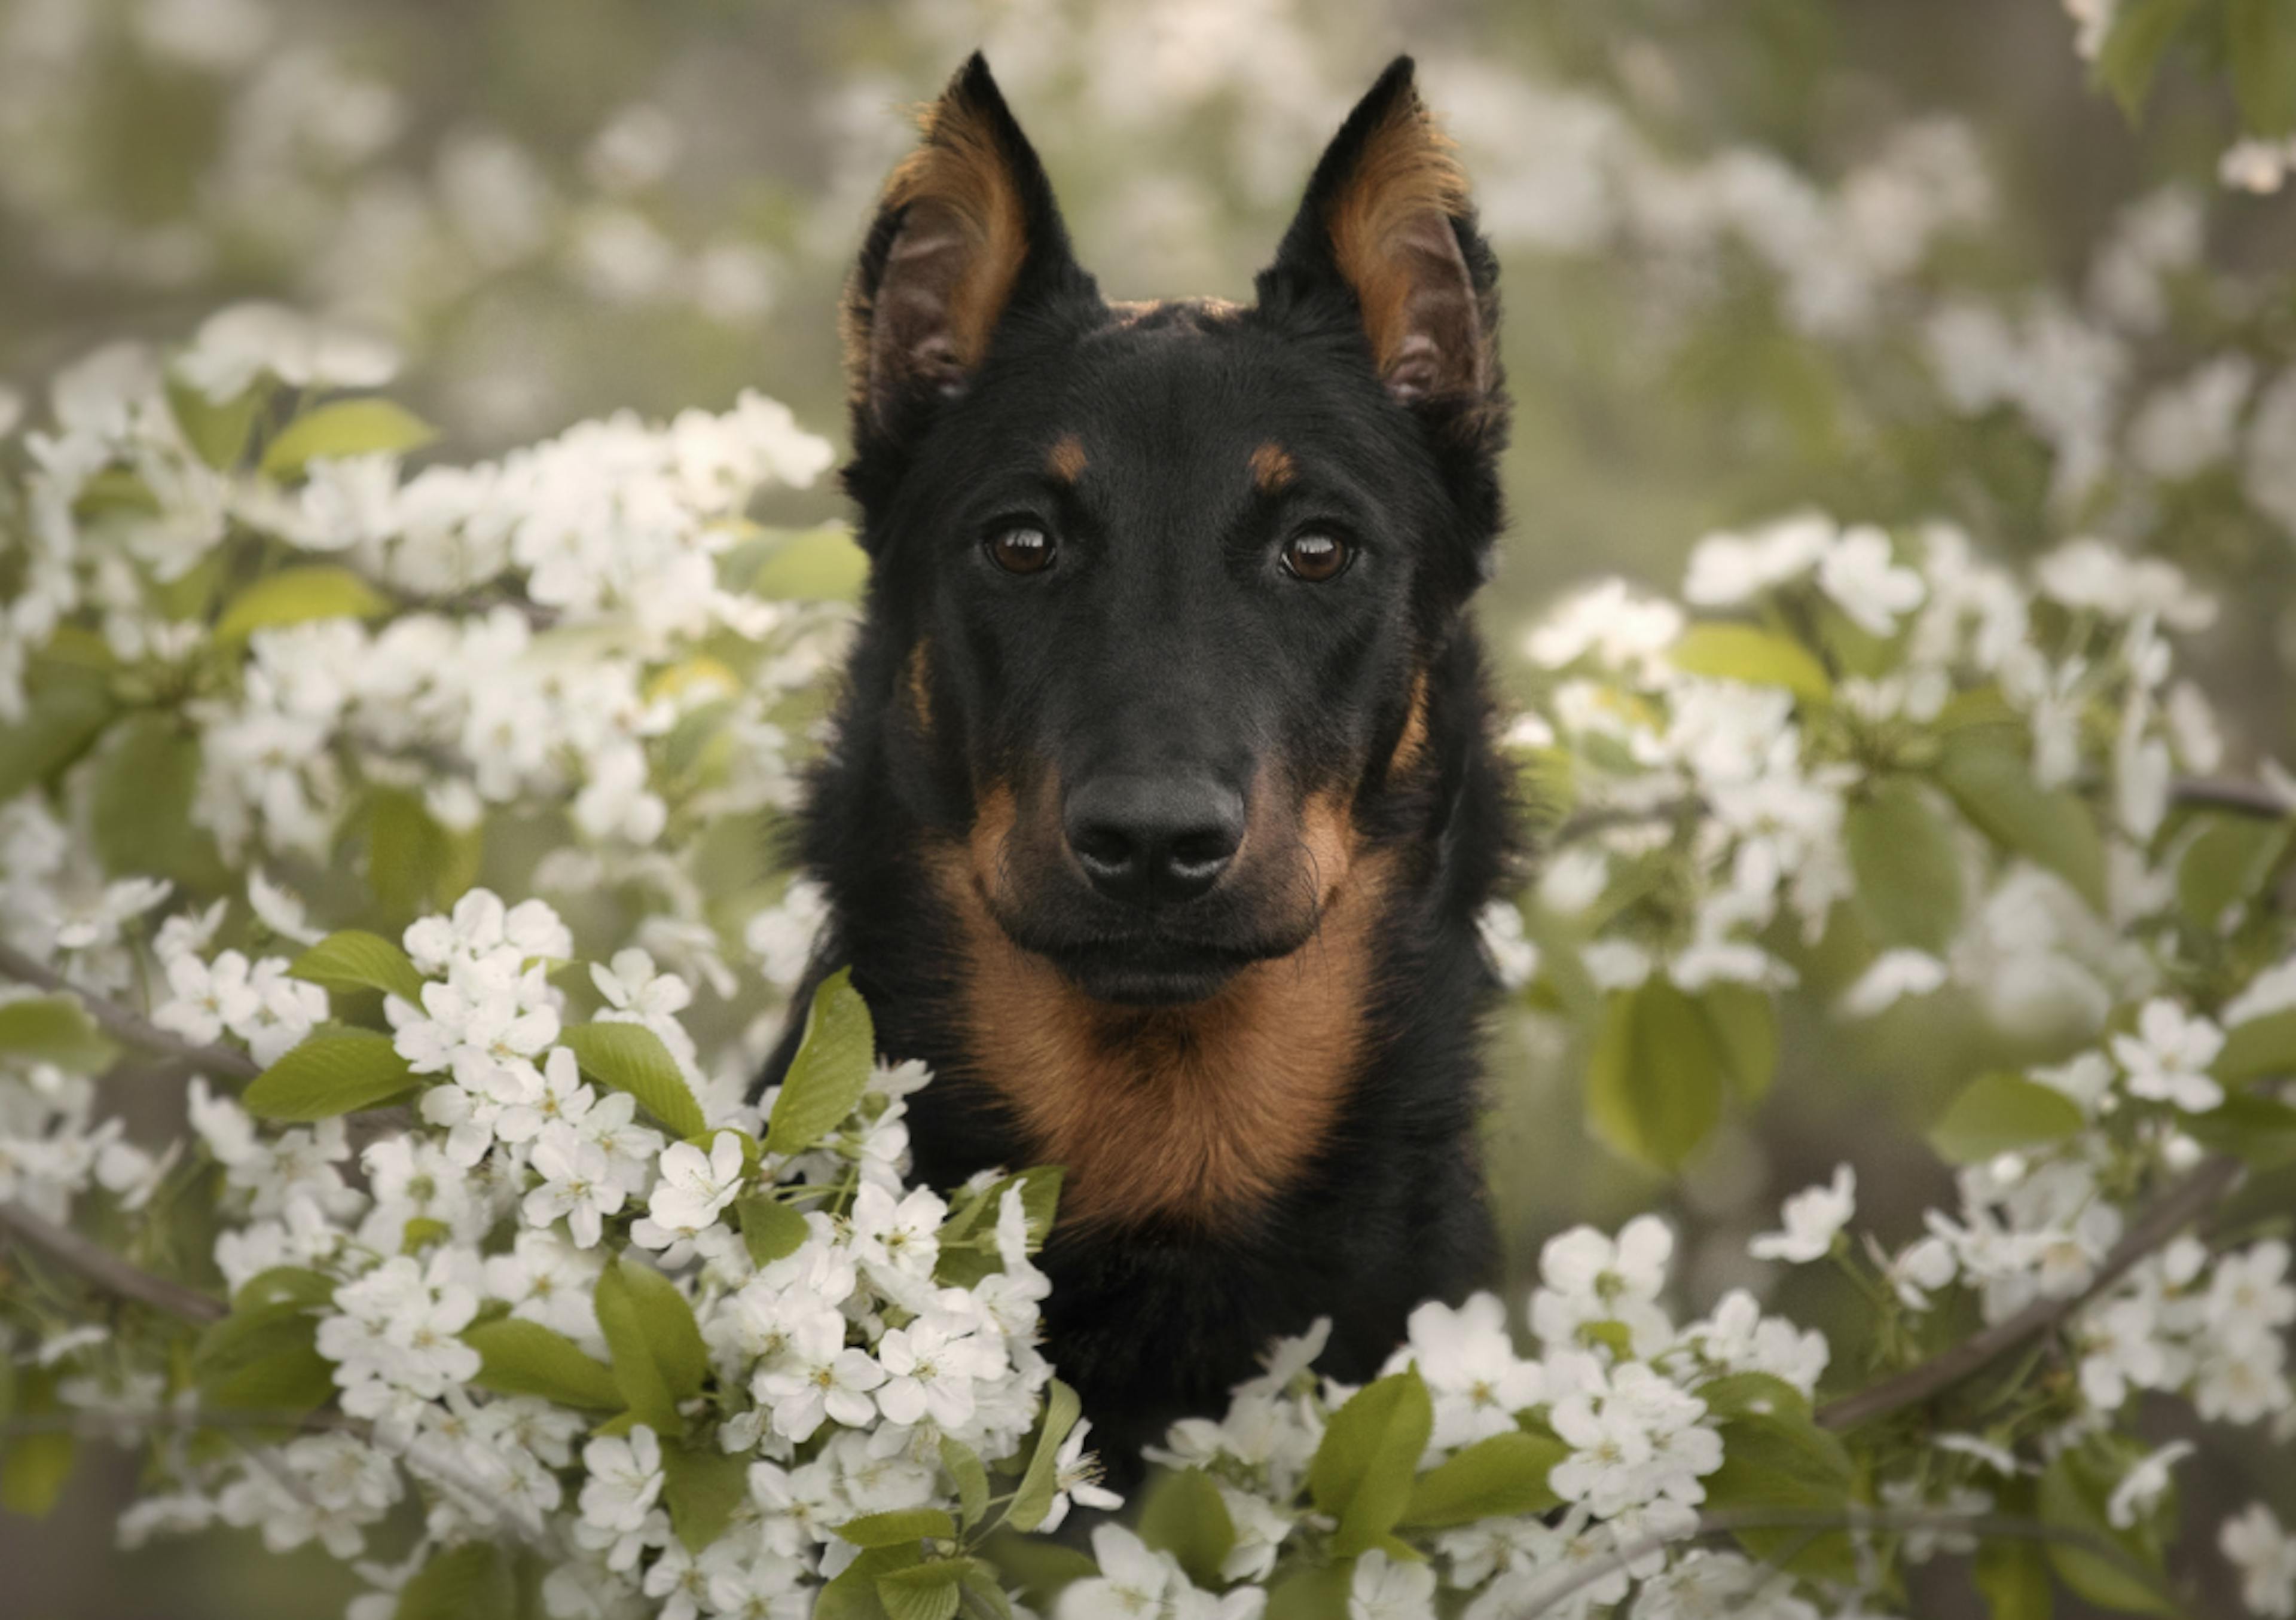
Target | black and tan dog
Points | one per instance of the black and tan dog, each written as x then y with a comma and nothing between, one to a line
1163,802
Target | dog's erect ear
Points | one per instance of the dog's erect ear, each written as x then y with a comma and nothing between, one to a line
1386,219
966,230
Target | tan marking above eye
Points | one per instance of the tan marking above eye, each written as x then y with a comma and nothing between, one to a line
1273,468
1066,460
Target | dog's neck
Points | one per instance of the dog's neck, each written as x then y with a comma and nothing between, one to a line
1190,1115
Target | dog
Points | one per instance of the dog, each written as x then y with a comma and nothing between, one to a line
1163,799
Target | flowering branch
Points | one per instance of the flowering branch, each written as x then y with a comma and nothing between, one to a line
2007,1526
128,1027
2188,1200
107,1270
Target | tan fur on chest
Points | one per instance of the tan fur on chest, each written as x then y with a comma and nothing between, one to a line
1194,1113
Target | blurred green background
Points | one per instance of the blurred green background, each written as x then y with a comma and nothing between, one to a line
1730,230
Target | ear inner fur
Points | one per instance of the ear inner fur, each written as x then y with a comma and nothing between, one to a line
950,269
1195,1114
1391,235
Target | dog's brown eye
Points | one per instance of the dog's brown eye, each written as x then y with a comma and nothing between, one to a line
1315,557
1021,549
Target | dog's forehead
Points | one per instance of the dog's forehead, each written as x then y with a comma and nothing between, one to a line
1197,384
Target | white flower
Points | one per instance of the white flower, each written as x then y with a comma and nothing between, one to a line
1861,576
1814,1218
2248,1297
1726,568
577,1185
2265,1554
1590,1279
1388,1588
817,1375
1076,1479
1513,958
1609,619
625,1477
934,1364
1477,1381
2143,1485
696,1186
899,1236
1635,1438
1893,976
2167,1059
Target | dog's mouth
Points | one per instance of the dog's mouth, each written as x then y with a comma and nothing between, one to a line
1149,967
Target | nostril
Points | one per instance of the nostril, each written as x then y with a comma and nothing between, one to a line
1205,850
1152,839
1105,848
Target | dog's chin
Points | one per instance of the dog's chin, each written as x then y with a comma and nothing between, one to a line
1126,980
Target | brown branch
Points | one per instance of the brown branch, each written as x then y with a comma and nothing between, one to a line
118,1022
2192,792
107,1270
2188,1200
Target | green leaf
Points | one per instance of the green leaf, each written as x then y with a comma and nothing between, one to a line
701,1486
217,432
1363,1471
285,1285
2000,1112
146,778
356,959
899,1529
770,1228
55,1029
831,1070
1494,1478
1783,1461
814,565
923,1591
2260,52
2258,1131
471,1581
1737,1394
295,596
1032,1498
521,1357
1185,1516
2012,1573
1908,871
1040,1566
35,1467
971,1479
1741,652
264,1357
349,427
413,865
1655,1077
980,1582
1995,789
2072,1497
2130,57
2261,1046
1313,1594
67,713
2228,866
658,1358
331,1071
1744,1023
631,1058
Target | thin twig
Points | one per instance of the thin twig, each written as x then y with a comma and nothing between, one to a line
2192,792
2190,1199
1730,1521
136,1030
107,1270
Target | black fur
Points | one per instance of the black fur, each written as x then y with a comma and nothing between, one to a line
1167,637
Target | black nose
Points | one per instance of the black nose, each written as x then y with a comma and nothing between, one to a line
1151,840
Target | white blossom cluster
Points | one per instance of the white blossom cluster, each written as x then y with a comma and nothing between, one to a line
513,1262
842,1367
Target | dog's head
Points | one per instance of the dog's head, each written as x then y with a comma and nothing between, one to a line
1154,589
